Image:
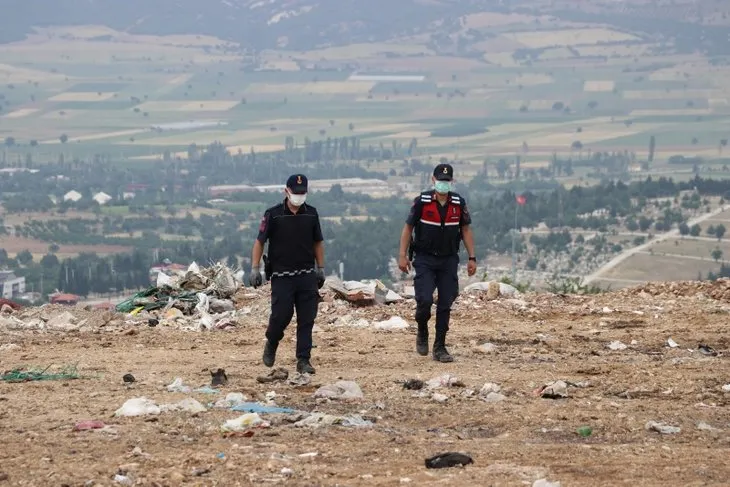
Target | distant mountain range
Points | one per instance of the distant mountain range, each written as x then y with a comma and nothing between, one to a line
305,24
254,23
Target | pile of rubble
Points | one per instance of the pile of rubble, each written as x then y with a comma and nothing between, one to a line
718,289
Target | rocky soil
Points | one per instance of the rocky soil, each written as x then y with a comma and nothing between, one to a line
656,410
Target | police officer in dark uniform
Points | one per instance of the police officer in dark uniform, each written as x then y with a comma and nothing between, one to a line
295,244
441,220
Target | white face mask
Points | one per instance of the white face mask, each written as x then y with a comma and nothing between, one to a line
297,199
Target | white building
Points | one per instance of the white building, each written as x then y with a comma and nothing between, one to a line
102,198
11,284
72,196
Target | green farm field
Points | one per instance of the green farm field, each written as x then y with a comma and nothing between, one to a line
140,96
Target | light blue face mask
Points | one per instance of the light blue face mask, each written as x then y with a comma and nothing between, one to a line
442,187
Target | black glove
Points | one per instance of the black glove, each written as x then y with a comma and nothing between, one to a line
320,277
254,278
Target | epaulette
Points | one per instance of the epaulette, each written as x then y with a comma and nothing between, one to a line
456,199
426,197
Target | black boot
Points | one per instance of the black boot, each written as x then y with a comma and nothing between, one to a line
440,354
270,353
422,340
304,367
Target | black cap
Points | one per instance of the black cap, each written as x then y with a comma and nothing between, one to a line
443,172
297,183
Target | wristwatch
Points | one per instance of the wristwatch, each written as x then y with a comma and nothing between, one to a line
473,258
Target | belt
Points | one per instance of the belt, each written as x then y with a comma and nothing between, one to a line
291,273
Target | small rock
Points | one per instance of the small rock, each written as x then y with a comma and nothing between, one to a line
726,388
128,378
617,345
287,472
494,397
671,343
662,428
487,348
218,378
153,322
702,426
439,397
4,476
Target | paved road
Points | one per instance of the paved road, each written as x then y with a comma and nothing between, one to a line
644,247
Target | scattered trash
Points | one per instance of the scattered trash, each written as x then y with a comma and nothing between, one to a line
316,420
707,350
340,390
277,374
138,406
662,428
671,343
445,380
366,293
88,425
584,431
413,384
189,405
123,479
20,375
128,378
448,460
392,323
545,483
490,392
617,345
178,386
231,399
206,390
253,407
554,390
218,378
300,380
244,422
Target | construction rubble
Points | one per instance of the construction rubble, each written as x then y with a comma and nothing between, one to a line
212,298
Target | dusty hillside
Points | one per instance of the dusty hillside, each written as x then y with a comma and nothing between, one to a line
611,350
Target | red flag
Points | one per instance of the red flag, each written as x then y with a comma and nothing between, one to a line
521,200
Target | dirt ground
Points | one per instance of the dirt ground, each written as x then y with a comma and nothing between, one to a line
525,437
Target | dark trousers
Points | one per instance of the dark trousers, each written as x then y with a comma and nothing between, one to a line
432,273
291,292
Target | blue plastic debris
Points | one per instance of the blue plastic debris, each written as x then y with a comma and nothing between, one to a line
254,407
207,390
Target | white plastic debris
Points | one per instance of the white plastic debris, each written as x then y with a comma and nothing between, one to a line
178,386
244,422
545,483
343,389
123,480
617,345
393,323
231,399
138,406
671,343
445,380
662,428
726,388
163,280
316,420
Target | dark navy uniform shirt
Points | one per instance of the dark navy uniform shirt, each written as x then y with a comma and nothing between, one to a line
291,238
